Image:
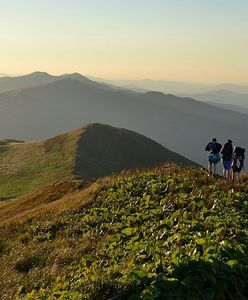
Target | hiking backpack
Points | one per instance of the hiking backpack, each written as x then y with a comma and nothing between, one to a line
213,148
239,153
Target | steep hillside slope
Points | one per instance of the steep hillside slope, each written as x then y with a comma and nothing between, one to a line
90,152
165,233
103,149
40,201
182,124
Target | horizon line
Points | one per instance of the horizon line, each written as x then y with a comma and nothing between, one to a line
96,78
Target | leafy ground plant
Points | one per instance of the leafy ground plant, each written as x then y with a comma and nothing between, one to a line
166,233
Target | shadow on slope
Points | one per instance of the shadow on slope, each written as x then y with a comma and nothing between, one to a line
103,150
89,152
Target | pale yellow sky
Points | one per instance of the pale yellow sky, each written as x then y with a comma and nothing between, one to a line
116,39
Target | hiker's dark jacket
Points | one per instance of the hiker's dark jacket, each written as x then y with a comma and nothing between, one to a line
213,148
227,151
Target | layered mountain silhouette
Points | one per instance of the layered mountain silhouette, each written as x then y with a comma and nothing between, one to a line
174,87
224,97
236,108
8,83
235,88
182,124
93,151
165,86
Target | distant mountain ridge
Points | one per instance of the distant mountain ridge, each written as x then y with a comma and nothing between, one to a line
223,97
236,108
8,83
182,124
36,79
173,87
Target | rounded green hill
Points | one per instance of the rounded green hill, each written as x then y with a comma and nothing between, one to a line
90,152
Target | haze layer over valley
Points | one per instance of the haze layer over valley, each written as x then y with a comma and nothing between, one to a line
55,104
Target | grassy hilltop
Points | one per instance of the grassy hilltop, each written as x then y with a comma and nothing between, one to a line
28,166
165,233
90,152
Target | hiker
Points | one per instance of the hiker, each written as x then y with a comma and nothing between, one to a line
227,156
213,149
238,162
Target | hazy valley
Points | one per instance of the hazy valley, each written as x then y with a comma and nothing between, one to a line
183,125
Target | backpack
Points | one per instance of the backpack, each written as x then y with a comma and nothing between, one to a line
213,148
239,153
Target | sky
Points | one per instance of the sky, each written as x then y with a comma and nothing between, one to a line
184,40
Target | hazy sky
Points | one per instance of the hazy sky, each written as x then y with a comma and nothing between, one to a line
191,40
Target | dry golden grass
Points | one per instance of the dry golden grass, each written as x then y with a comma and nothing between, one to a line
26,167
66,196
39,202
41,211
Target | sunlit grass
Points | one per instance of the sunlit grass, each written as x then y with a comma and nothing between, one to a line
137,233
25,167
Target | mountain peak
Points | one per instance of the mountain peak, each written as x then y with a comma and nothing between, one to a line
75,75
155,93
39,74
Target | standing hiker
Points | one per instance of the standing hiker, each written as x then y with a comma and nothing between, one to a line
238,162
227,155
213,149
